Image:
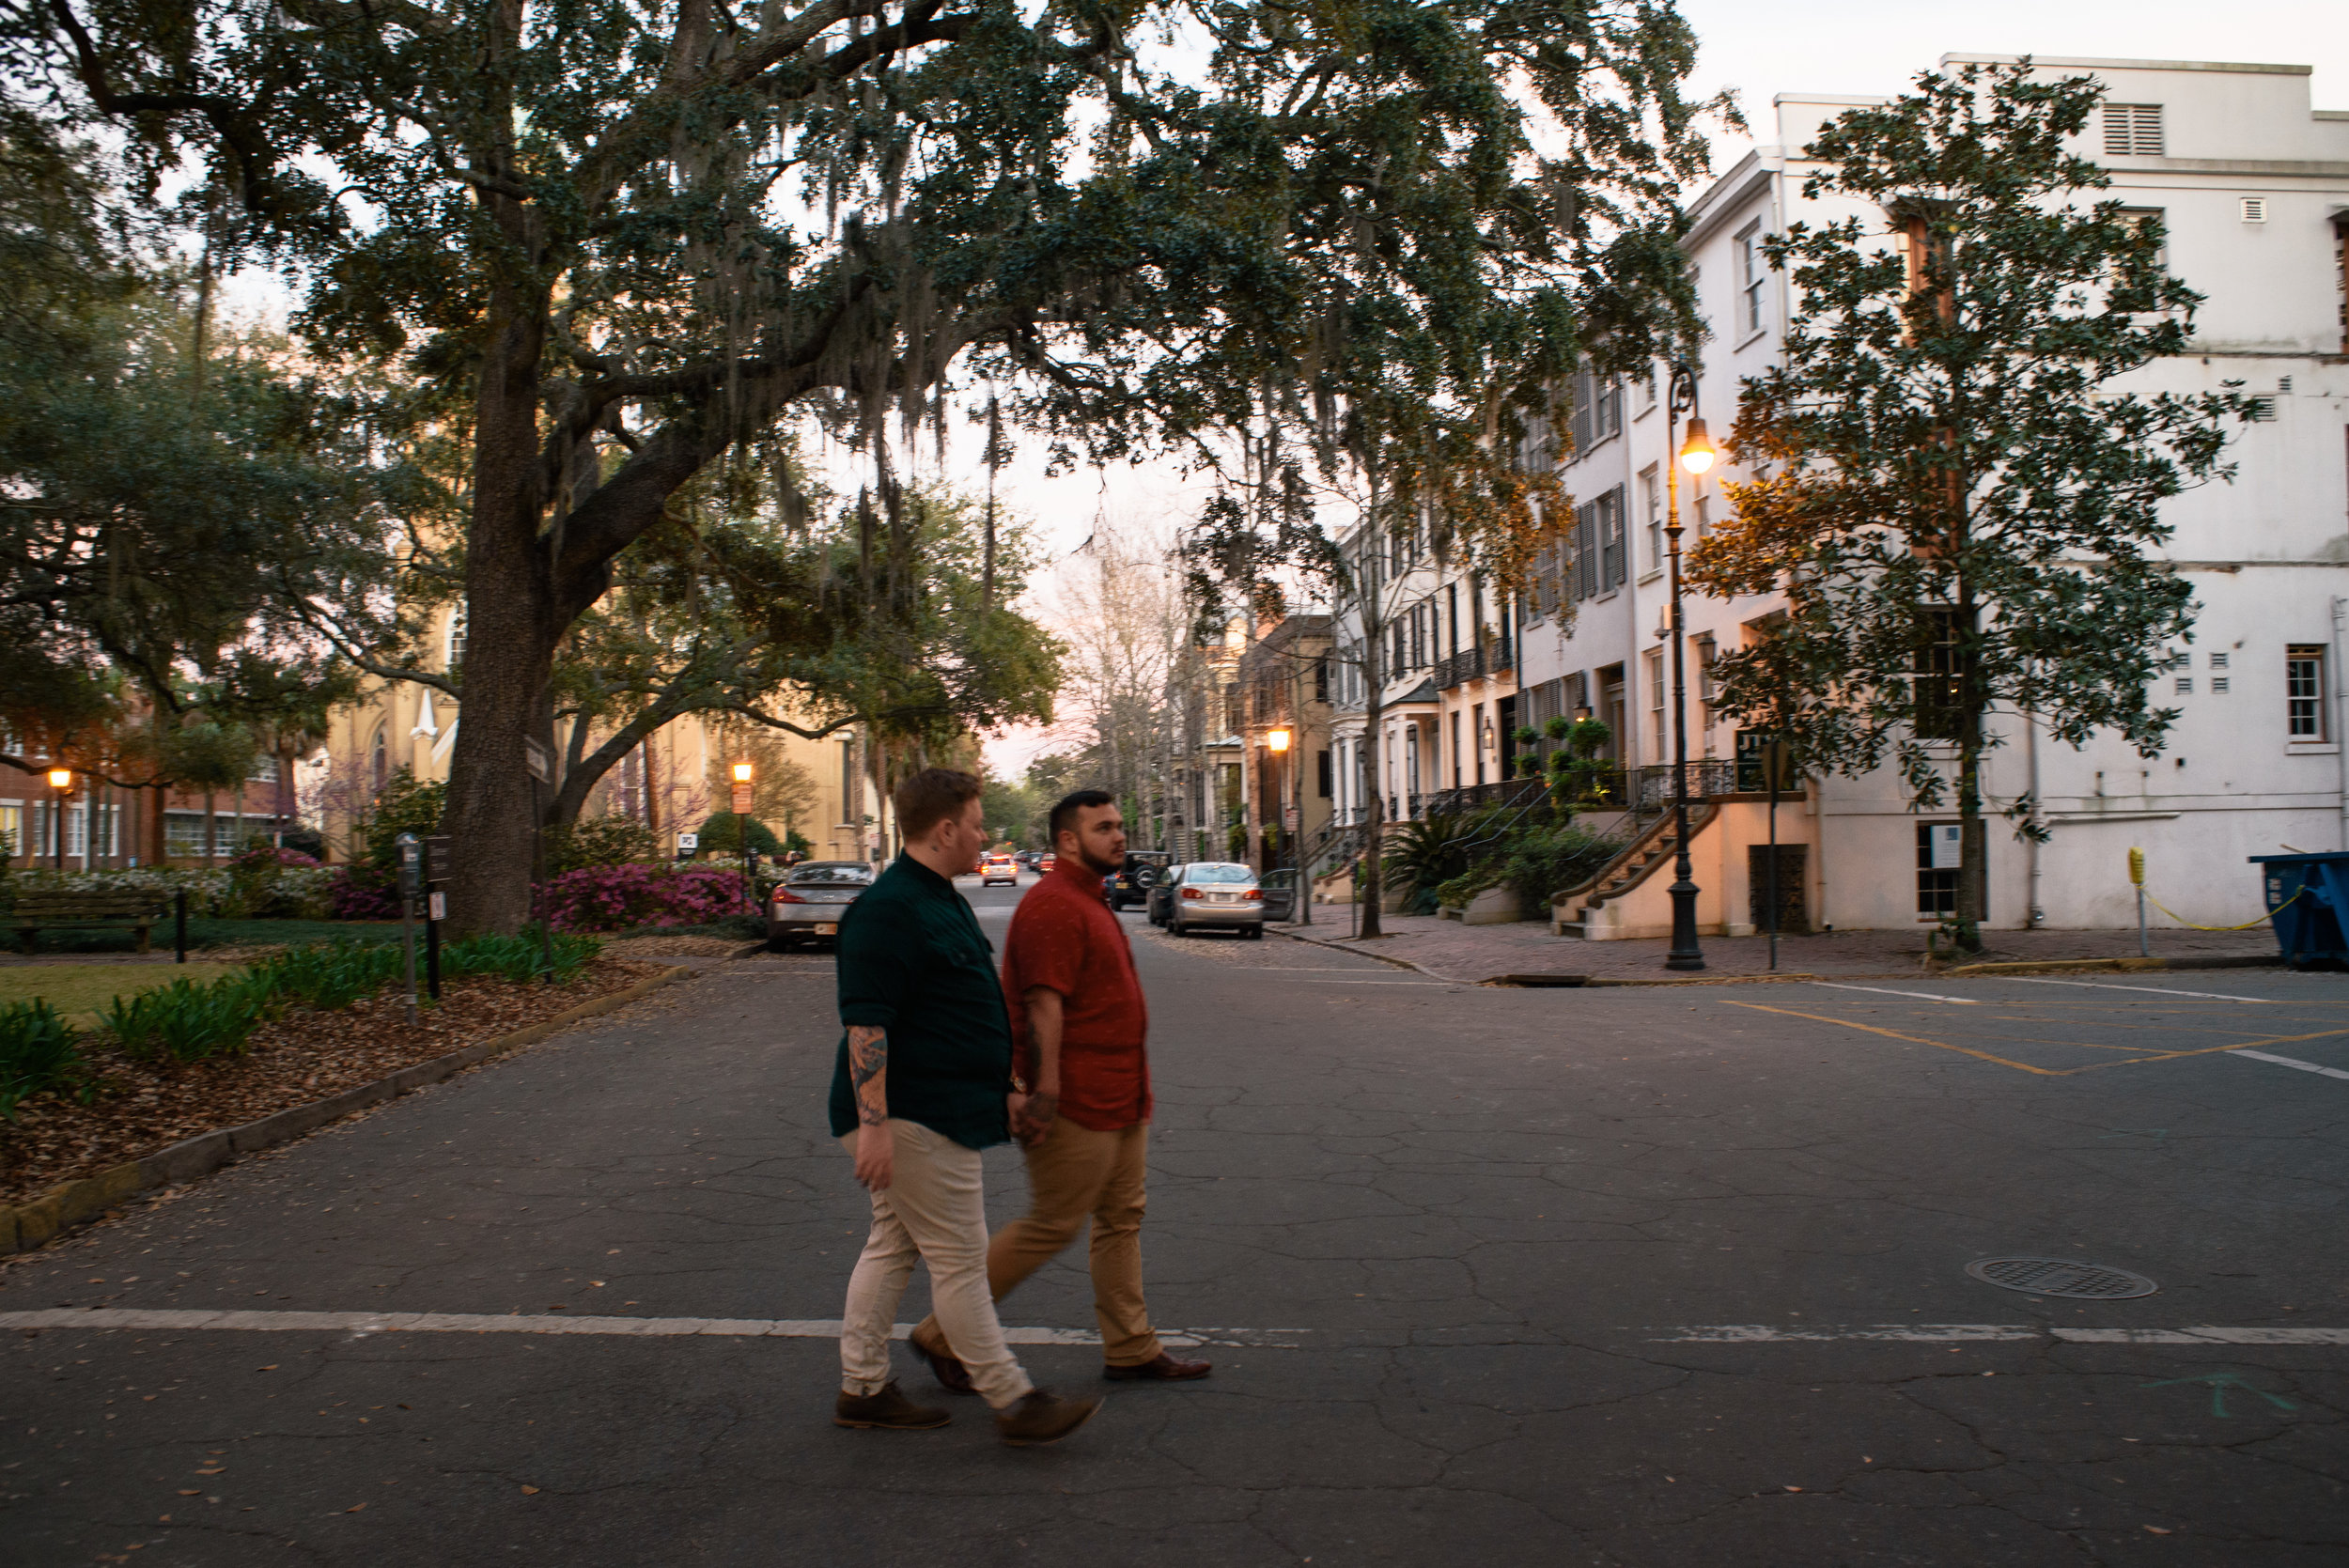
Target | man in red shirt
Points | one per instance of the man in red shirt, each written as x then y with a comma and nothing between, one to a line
1078,1028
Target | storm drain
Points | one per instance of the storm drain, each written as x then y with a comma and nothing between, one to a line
2062,1277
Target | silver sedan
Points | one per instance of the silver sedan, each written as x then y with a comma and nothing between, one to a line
1216,893
808,904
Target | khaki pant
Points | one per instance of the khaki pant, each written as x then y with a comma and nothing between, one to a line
933,1208
1074,1175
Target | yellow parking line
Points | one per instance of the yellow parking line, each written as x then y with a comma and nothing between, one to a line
1913,1039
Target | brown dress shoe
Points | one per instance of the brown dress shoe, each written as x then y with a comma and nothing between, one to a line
1042,1417
1160,1368
951,1374
888,1409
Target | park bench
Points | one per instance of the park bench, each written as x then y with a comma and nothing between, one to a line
36,912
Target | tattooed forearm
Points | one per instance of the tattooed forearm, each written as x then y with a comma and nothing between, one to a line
868,1072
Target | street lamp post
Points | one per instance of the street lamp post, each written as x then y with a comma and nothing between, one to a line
1696,455
1277,742
742,804
60,780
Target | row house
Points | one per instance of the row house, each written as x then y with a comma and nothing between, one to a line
2253,190
1447,658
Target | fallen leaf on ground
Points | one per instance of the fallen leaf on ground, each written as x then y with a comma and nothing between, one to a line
530,1491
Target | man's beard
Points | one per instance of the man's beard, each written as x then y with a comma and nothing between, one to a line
1100,868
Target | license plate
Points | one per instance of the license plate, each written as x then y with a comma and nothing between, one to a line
828,928
1225,899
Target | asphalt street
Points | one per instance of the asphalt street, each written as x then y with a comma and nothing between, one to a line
1628,1277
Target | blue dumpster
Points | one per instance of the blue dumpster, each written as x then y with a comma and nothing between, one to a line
2307,897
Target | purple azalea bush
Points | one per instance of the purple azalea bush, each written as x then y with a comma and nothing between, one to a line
359,892
619,897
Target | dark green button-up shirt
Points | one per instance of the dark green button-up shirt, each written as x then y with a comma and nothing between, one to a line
912,961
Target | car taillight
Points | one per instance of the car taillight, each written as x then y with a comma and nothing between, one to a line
1194,893
785,895
1253,892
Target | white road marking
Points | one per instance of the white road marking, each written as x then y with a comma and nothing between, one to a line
2157,991
1927,996
1944,1333
515,1322
2290,1061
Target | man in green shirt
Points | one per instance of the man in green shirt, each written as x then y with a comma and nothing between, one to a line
922,1082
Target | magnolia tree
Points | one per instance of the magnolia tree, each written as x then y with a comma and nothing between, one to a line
1962,509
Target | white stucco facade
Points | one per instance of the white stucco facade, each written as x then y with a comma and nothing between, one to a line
2253,188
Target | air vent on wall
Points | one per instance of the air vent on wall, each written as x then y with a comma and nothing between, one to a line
2255,209
2133,130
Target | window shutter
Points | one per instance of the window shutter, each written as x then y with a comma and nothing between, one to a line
1611,563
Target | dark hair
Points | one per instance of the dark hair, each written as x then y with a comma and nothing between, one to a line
928,797
1065,814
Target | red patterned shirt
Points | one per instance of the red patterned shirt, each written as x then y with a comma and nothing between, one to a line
1065,937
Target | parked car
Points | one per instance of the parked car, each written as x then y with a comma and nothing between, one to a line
1132,882
1046,860
1216,893
1280,893
1161,898
999,868
806,904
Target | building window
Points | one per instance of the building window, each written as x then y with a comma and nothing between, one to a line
2304,691
457,637
380,763
1597,410
2133,131
1753,270
1937,852
1457,773
12,831
1322,772
1652,511
1656,706
183,834
1936,714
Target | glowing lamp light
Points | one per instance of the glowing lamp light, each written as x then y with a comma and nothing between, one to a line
61,778
1698,452
1277,741
741,772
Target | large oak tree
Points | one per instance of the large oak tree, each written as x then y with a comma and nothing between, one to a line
653,231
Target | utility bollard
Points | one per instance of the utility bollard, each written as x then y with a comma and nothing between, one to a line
180,926
2136,876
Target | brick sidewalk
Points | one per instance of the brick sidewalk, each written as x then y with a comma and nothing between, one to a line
1450,951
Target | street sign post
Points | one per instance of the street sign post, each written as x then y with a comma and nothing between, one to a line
439,861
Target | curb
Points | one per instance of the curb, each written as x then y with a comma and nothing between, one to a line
33,1224
2122,966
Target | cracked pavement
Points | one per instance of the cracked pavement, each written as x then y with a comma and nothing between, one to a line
1489,1218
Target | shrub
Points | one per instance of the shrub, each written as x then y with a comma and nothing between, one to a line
266,882
325,976
518,958
599,841
1544,860
617,897
362,891
39,1051
188,1022
402,806
724,830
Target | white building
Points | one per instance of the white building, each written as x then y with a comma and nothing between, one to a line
2253,189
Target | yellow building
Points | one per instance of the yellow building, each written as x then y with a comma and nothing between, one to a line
827,790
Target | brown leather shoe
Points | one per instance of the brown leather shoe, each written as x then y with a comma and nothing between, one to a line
1042,1417
951,1374
888,1409
1160,1368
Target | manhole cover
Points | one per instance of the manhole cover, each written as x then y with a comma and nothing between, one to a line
2062,1277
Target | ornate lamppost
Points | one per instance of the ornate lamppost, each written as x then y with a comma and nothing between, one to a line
1696,454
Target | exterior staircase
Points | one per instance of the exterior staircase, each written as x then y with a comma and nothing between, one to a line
1572,912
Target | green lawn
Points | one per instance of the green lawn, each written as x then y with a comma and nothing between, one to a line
221,933
82,991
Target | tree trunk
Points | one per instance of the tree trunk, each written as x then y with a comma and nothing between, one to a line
511,631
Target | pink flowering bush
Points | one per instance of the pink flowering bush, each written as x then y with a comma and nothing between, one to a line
360,893
617,897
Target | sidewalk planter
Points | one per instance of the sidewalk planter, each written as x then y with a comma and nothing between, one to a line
1493,907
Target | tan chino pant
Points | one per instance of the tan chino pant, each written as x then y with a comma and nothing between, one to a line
933,1209
1074,1175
